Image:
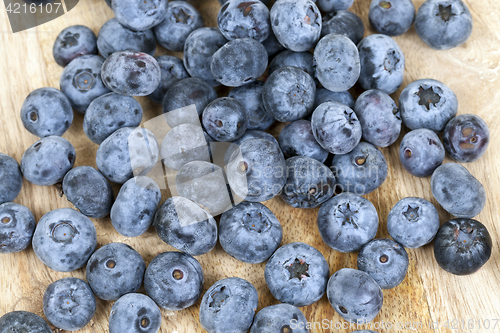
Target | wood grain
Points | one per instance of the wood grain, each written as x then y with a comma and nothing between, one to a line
428,294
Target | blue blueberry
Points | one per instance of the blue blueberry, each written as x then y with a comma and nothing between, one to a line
413,222
134,312
296,24
181,19
336,127
379,117
289,94
199,49
174,280
108,113
272,44
256,171
135,206
297,139
385,261
225,119
249,134
250,96
443,24
302,60
266,2
140,15
466,138
64,239
324,95
11,178
244,19
131,73
279,318
72,42
69,304
457,191
114,37
392,18
421,152
229,305
347,221
250,232
81,81
89,191
382,63
297,274
345,23
428,104
48,160
462,246
172,71
17,225
334,5
309,182
354,295
23,321
184,225
238,62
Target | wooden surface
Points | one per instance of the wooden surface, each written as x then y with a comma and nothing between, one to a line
428,294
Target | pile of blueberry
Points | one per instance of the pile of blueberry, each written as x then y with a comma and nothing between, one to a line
325,157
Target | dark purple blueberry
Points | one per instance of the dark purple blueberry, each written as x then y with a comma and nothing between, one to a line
345,23
125,314
279,318
302,60
297,139
17,225
172,71
23,321
421,152
324,95
11,178
225,119
140,15
73,42
244,19
250,96
392,18
334,5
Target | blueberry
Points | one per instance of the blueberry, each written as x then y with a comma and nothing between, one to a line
64,239
256,171
288,94
47,160
108,113
266,2
421,152
172,71
250,134
324,95
309,182
131,73
382,63
239,62
385,261
174,280
354,295
336,61
428,104
250,96
72,42
181,19
126,153
334,5
135,206
229,305
296,24
392,18
302,60
23,321
114,37
457,191
297,274
379,117
46,111
140,15
345,23
443,24
466,138
81,81
361,171
184,225
244,19
336,127
462,246
413,222
347,222
250,232
11,178
225,119
89,191
199,48
17,225
136,312
297,139
272,44
279,318
69,304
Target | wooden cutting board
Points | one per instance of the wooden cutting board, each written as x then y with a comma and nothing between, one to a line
427,295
